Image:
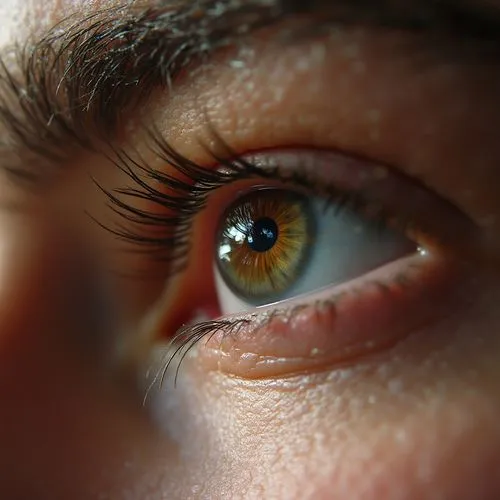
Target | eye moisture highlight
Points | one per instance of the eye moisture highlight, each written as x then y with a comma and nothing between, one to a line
264,240
317,260
330,328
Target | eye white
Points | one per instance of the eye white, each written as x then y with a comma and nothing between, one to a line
346,246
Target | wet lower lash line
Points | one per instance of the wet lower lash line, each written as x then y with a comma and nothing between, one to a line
188,336
185,197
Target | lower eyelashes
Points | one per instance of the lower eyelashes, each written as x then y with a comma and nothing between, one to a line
337,325
314,257
310,278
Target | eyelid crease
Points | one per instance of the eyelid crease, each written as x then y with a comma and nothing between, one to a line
71,87
74,85
162,232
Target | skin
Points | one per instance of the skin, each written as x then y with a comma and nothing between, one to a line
416,420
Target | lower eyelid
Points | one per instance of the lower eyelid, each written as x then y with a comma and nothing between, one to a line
335,326
341,324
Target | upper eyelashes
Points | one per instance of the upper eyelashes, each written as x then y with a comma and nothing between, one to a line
177,194
183,196
175,197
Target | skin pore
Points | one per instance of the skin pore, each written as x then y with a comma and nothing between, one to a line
416,419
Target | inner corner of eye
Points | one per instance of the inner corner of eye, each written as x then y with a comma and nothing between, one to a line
276,244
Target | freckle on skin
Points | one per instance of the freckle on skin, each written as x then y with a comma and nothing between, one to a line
359,68
374,115
351,51
488,221
395,386
380,173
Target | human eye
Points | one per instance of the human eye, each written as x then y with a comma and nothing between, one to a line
302,258
274,244
374,252
301,248
298,202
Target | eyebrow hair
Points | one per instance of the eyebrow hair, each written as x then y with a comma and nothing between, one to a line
84,76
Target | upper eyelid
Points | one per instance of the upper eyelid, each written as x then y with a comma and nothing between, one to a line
183,193
178,194
49,108
55,93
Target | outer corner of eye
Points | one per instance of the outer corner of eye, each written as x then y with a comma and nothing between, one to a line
306,285
305,281
329,328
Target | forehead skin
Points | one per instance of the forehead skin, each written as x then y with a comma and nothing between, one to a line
22,18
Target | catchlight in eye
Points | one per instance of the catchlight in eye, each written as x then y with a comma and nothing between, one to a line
263,242
275,244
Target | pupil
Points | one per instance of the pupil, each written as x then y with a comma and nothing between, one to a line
263,235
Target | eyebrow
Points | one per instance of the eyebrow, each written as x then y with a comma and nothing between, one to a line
84,76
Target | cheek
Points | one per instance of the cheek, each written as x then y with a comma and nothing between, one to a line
419,421
419,425
442,451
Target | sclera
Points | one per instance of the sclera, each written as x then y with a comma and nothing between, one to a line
337,325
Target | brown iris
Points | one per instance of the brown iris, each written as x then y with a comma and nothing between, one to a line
262,243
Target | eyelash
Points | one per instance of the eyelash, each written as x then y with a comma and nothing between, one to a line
188,189
186,194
